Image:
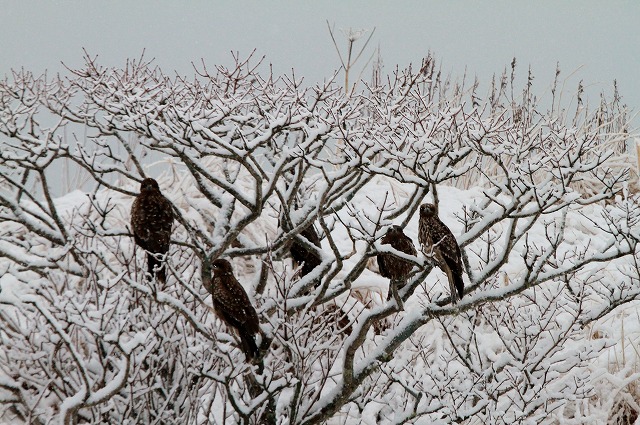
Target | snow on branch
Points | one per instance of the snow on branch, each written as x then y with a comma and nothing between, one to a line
263,171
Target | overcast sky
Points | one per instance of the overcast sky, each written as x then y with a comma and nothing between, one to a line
599,40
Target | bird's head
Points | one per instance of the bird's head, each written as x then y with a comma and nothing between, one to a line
149,184
393,232
428,210
221,266
395,229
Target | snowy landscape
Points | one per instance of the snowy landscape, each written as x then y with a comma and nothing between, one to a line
541,195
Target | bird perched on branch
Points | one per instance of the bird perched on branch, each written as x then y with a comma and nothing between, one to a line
152,221
438,243
302,255
232,305
392,267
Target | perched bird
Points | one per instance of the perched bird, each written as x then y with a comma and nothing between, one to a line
392,267
231,304
151,221
438,242
301,255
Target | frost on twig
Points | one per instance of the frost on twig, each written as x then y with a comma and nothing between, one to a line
539,201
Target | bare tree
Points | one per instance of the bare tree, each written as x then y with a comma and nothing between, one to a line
349,59
248,162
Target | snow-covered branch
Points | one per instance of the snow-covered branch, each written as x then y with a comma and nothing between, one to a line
255,167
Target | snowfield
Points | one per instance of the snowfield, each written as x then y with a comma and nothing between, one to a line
599,360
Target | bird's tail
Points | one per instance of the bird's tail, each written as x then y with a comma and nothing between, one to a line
153,266
457,287
394,286
456,284
248,344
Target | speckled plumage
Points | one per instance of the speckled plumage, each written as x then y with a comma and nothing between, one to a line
151,222
438,242
392,267
232,305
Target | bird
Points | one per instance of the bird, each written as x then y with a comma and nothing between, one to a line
437,242
391,266
152,220
302,255
232,305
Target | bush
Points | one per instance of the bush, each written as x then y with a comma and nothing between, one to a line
248,162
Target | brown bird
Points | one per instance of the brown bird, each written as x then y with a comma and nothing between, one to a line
151,221
231,304
392,267
438,243
301,255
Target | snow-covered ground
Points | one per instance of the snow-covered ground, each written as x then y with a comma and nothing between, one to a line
600,358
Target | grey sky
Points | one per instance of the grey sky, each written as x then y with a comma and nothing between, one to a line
598,39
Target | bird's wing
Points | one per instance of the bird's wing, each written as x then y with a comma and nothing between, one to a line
382,265
238,306
449,248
